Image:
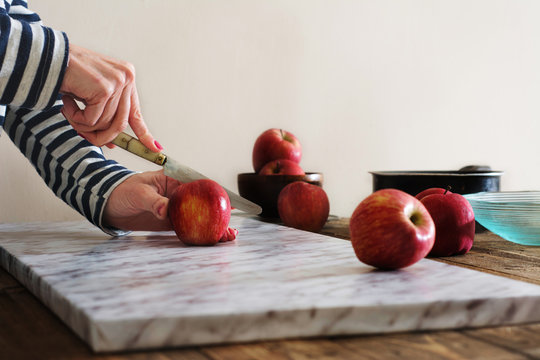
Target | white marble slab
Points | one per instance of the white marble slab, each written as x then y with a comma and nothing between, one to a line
148,290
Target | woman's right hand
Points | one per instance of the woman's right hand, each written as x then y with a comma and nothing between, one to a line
106,87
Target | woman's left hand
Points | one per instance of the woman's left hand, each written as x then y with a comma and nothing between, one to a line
141,202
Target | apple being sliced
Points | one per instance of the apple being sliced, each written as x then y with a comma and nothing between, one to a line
199,212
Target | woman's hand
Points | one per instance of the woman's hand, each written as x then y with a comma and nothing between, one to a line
107,88
141,202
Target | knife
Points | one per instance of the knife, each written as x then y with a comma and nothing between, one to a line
178,171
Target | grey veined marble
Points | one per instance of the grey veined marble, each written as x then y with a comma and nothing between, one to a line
148,290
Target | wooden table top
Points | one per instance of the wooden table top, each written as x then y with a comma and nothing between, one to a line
28,330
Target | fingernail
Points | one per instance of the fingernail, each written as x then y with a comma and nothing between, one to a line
162,211
158,145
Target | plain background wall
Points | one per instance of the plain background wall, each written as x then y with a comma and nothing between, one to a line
365,85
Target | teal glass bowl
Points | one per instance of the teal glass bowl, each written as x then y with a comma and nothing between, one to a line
513,215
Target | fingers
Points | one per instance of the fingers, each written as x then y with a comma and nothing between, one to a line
160,208
104,135
117,124
74,114
172,185
138,203
153,195
85,120
229,235
127,111
107,88
138,125
149,200
95,116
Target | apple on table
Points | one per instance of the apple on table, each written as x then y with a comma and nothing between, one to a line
430,191
391,229
454,221
303,206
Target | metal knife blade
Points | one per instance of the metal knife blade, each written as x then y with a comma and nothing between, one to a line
186,174
178,171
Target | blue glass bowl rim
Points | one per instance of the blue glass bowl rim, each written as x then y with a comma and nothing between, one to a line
524,197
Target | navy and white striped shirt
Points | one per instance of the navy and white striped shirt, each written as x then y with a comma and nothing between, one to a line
33,59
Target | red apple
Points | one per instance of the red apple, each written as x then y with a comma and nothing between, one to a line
275,144
430,191
454,223
303,206
391,229
282,167
200,212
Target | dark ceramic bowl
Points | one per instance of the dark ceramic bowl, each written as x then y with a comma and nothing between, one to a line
264,190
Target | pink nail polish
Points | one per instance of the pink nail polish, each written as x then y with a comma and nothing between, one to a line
158,145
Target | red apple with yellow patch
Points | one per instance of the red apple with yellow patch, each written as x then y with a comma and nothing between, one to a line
200,212
391,229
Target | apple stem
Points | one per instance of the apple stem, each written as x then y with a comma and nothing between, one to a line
278,167
448,188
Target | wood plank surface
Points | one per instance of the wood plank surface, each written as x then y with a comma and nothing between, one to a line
28,330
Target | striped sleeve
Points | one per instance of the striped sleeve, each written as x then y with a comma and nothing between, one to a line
33,58
75,170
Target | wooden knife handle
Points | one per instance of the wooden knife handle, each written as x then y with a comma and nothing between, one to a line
134,146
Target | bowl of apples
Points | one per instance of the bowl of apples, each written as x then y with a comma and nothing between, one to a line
264,190
276,161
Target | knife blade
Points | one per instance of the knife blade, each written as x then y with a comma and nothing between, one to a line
177,171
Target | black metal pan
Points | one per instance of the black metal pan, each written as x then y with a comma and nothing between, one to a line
470,180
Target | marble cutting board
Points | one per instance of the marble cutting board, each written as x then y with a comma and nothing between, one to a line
148,290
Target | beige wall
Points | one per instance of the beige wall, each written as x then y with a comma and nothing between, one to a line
365,85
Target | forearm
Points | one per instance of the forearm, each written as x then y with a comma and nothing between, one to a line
33,58
72,168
